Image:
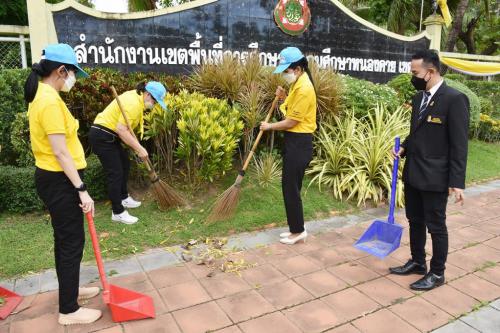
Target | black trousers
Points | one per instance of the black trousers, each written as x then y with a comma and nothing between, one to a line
115,162
427,210
297,154
62,200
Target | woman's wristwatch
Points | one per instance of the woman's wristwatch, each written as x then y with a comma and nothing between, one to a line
82,188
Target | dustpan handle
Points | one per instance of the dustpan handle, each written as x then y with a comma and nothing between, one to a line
390,219
97,251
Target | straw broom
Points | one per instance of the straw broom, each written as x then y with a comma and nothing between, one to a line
165,195
226,204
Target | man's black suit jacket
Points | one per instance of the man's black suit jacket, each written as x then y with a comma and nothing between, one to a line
436,148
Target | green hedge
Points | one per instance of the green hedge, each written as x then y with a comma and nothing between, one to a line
403,86
361,96
475,104
489,90
95,178
18,192
11,103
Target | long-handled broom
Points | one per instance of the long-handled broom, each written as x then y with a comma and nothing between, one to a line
226,204
165,195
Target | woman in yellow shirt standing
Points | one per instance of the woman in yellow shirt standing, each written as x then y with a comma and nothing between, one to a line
108,133
299,109
60,161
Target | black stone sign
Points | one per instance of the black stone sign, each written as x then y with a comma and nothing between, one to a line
176,42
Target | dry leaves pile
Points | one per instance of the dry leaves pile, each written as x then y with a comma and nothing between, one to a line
213,253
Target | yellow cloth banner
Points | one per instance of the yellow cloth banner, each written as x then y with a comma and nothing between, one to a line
475,68
445,11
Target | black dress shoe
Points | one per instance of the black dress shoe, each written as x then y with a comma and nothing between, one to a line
428,282
410,267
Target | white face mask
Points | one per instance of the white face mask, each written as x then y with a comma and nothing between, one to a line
69,82
149,103
290,77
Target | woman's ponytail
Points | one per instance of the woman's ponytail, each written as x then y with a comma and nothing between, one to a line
304,64
140,88
31,84
38,70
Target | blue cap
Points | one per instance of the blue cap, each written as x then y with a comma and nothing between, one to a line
287,57
64,54
158,91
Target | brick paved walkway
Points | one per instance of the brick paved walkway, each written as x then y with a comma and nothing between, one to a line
324,285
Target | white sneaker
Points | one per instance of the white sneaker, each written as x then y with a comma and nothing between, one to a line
87,292
130,203
80,316
124,217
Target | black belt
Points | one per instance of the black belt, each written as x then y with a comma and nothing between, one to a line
104,129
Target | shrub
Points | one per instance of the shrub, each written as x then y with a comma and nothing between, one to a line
252,109
403,86
95,178
267,168
20,140
222,79
489,90
486,106
209,131
17,190
475,105
329,89
362,96
353,156
456,77
160,127
488,129
11,103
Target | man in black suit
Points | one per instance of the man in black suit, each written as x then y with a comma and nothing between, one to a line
436,158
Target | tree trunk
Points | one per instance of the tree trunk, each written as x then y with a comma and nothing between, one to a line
456,28
490,49
468,36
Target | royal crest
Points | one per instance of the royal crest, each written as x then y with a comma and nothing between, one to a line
292,16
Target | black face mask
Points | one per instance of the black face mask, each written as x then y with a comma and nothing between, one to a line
418,83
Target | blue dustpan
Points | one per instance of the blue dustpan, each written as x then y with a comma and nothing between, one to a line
383,237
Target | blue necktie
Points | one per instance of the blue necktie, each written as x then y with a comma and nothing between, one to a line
427,96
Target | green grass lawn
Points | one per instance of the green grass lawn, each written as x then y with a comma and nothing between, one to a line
483,162
26,240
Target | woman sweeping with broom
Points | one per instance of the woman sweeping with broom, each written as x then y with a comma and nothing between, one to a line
60,161
110,130
299,109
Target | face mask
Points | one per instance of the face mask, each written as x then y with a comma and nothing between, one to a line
290,77
149,104
418,82
69,82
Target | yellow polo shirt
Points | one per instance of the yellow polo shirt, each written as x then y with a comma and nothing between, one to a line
300,105
47,115
133,105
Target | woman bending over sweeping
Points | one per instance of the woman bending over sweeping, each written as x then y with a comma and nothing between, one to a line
108,133
299,109
60,161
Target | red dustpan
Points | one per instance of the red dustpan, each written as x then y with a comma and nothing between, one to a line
124,304
11,301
